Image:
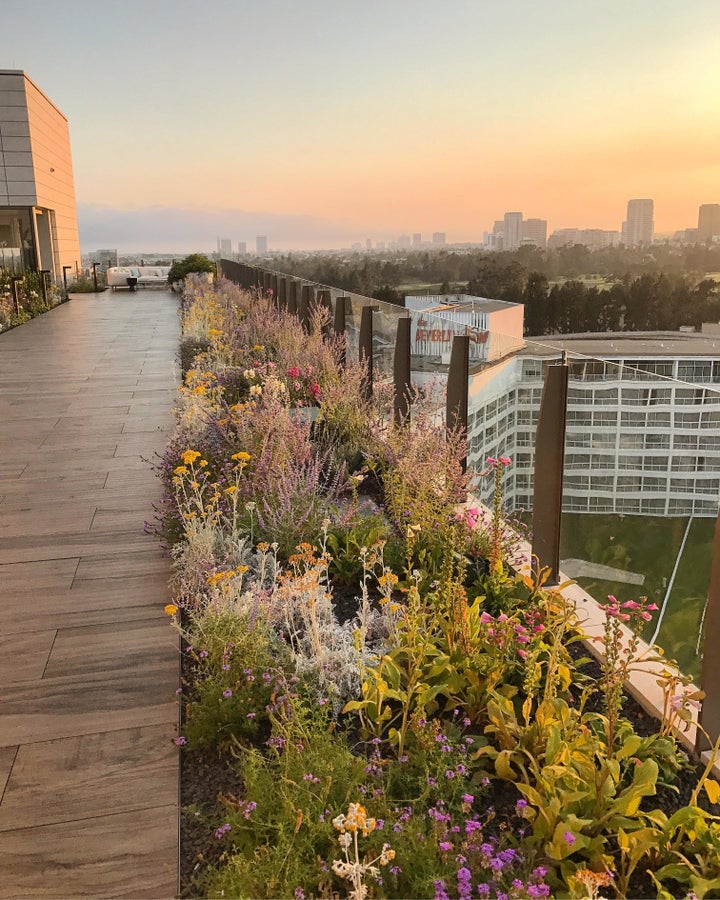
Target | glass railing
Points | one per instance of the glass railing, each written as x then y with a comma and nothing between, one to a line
641,460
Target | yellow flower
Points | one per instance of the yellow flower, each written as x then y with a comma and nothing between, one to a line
242,456
180,470
194,484
170,609
258,348
189,456
231,490
203,463
241,570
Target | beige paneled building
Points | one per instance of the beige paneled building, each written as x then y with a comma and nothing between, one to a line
38,215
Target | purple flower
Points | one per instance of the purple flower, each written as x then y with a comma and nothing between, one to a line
395,870
464,882
483,890
468,798
540,872
299,893
569,838
521,804
538,890
203,654
223,829
379,824
251,807
227,694
449,773
250,715
179,741
445,846
397,828
440,891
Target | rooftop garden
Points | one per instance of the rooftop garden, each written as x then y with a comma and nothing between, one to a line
375,703
23,297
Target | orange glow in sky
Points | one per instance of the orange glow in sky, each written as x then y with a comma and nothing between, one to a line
383,117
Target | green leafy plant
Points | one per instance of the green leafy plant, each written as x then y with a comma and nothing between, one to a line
195,262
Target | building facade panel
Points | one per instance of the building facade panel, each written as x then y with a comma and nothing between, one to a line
36,178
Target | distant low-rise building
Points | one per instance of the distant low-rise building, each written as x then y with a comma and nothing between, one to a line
594,238
534,232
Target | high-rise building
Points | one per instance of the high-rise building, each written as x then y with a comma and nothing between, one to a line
404,240
438,237
512,230
417,239
708,222
261,245
38,214
224,246
638,228
534,232
368,243
242,248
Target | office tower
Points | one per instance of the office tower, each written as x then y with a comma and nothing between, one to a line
512,232
708,222
368,244
438,237
404,241
417,239
534,232
638,228
242,248
261,245
224,246
38,215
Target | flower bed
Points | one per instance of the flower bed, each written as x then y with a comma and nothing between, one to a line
392,712
31,301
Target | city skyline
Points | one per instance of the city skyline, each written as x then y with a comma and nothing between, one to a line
404,118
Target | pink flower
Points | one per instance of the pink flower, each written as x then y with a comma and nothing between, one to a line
652,606
504,460
491,460
293,372
630,604
485,618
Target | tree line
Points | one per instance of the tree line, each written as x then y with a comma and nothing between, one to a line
639,289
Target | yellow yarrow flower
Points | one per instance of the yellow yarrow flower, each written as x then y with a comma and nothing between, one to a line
171,609
180,470
189,456
242,456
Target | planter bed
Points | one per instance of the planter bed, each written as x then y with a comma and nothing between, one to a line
442,733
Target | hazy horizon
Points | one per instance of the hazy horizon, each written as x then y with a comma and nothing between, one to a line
325,123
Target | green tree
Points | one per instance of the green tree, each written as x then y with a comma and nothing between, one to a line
196,262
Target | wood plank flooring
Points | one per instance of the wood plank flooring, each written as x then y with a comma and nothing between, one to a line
88,660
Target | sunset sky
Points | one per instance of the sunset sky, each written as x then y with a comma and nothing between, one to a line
321,123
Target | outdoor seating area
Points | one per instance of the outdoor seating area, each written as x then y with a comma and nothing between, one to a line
136,276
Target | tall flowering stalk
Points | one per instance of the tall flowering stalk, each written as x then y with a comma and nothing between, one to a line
497,466
621,652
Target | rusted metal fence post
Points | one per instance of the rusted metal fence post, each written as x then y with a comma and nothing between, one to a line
401,371
307,301
549,467
339,326
365,348
282,293
274,288
324,300
456,402
709,715
292,303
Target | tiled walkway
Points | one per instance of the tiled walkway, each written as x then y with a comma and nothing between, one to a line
88,660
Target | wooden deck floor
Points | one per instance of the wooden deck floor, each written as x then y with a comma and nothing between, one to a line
88,660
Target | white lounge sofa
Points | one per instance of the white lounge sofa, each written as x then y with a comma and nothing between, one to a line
117,276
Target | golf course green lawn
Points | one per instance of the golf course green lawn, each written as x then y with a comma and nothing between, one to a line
649,546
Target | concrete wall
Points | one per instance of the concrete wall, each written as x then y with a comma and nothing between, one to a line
36,167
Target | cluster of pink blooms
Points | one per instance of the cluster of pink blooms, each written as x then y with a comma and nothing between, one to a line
630,609
312,387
